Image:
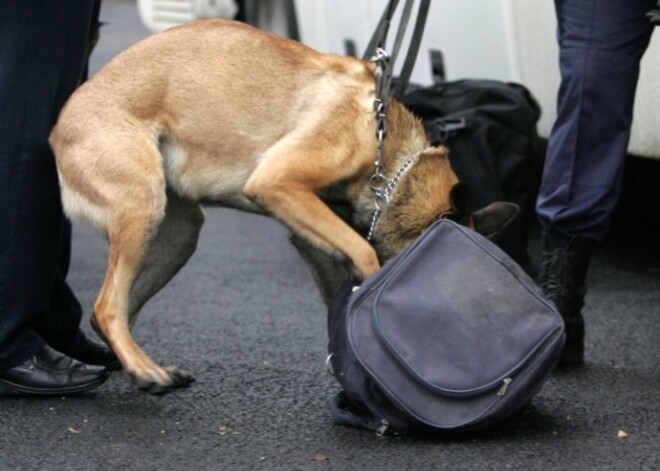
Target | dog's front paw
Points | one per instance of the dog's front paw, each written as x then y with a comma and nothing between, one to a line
367,264
163,381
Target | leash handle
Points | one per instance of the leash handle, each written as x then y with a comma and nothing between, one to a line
384,71
379,38
413,50
380,33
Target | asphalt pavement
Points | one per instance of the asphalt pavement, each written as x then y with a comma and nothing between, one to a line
244,318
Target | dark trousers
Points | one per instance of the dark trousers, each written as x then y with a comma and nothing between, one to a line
42,54
601,43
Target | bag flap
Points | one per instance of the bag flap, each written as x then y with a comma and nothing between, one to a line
458,314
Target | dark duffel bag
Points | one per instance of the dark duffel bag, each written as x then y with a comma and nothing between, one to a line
490,129
450,335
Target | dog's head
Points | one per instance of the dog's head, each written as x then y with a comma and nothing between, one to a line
427,191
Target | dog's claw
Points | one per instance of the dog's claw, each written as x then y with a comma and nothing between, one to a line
176,378
181,378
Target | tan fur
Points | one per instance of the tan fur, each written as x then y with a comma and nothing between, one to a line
218,112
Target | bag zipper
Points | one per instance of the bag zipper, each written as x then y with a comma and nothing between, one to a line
506,382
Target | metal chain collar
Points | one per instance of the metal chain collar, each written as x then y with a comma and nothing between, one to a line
378,182
383,194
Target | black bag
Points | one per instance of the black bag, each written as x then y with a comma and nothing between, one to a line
490,130
450,335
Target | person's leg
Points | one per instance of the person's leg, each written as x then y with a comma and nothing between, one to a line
59,324
40,65
601,43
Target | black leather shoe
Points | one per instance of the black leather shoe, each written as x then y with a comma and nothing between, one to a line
49,372
94,353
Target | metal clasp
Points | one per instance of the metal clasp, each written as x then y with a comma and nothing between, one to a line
449,127
382,430
380,57
328,366
382,200
378,180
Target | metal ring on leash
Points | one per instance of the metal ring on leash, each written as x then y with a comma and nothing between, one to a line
378,181
382,200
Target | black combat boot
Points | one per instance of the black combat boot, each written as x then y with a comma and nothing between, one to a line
562,277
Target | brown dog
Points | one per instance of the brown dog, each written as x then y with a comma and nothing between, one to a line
221,113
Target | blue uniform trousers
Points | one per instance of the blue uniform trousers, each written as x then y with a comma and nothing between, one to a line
601,43
42,53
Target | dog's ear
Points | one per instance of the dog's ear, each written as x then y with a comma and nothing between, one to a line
492,219
489,221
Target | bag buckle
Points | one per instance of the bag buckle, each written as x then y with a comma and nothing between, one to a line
382,430
449,127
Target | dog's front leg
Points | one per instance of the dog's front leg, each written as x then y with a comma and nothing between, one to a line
327,270
308,216
291,197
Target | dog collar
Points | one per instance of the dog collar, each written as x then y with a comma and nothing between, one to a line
383,193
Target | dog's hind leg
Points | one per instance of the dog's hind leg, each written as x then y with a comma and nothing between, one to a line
171,246
170,249
174,243
133,217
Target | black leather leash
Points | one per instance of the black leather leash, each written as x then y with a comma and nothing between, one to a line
384,62
379,39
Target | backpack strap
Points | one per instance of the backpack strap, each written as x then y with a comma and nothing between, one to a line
442,130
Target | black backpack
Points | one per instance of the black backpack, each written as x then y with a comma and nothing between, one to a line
490,130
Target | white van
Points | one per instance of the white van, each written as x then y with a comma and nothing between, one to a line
510,40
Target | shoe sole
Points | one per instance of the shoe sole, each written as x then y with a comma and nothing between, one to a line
31,391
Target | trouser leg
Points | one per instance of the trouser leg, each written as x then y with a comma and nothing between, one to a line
41,58
601,43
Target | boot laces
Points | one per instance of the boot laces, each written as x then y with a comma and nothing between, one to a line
548,277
